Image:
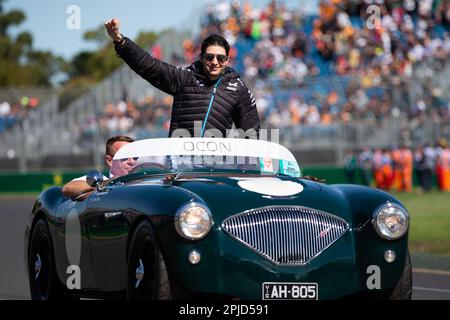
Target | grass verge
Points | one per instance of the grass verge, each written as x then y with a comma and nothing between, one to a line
430,221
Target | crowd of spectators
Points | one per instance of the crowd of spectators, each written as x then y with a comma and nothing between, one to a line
405,32
371,59
279,46
394,168
147,113
13,111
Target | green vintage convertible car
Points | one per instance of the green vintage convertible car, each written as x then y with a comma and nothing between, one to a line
219,219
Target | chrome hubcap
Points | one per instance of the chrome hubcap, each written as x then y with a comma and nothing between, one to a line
139,273
37,266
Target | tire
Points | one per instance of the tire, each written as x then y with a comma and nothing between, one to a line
403,289
42,275
147,277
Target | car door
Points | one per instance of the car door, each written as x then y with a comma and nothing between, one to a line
107,229
71,245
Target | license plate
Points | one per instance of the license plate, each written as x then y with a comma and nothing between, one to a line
290,291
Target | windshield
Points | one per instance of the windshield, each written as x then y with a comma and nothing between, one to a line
204,154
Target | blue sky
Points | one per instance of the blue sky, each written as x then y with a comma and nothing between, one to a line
46,19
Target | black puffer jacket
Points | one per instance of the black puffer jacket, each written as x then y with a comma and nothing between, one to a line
192,90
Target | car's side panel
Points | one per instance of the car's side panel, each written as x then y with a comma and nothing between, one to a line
68,251
369,246
108,226
108,240
111,216
72,251
363,200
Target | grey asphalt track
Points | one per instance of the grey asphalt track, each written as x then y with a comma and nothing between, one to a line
13,213
427,284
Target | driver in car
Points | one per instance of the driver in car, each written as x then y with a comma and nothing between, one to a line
122,167
79,186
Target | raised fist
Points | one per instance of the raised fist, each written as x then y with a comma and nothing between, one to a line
112,27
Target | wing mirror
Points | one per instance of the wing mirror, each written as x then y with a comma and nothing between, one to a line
94,178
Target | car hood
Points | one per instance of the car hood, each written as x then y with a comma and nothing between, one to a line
229,195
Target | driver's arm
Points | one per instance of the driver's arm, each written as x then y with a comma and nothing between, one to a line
75,188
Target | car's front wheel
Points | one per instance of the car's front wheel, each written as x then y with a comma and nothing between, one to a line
147,274
43,279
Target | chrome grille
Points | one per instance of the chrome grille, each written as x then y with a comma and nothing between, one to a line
286,235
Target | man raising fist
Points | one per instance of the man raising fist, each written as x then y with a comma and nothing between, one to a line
208,93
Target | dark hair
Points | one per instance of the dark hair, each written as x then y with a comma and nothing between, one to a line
215,40
112,140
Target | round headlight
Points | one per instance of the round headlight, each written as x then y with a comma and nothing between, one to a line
193,221
391,221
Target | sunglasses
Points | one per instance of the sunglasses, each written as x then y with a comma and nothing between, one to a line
126,159
221,58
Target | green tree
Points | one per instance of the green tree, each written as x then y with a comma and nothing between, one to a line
147,39
89,67
93,66
98,36
20,64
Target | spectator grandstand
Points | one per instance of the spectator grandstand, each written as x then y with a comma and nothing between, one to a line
328,81
16,105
